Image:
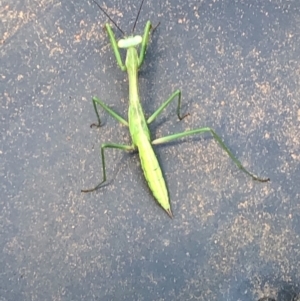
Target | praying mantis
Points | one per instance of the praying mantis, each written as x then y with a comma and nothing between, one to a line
136,46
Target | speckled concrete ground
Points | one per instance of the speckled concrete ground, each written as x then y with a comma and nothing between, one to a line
231,238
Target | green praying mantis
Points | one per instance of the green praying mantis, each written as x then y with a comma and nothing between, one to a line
136,47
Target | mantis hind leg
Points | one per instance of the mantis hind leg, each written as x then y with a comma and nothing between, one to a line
177,93
103,147
220,142
107,109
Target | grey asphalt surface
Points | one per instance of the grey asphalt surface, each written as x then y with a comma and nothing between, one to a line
231,238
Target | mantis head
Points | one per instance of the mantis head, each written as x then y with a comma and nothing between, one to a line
131,41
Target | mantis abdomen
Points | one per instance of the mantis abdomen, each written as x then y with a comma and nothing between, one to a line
153,174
